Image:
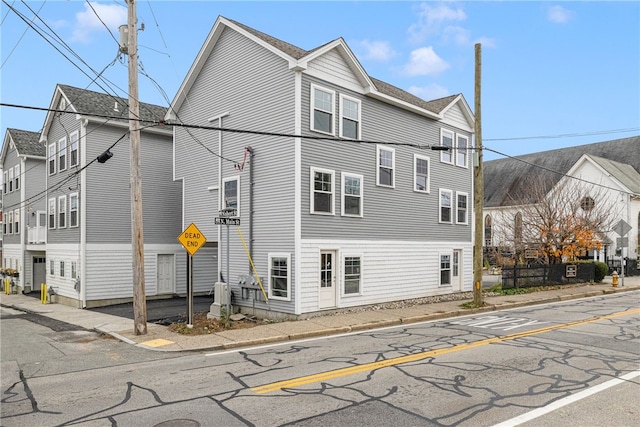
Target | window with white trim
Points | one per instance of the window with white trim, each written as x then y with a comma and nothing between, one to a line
462,200
5,182
445,269
351,194
322,191
73,210
386,169
421,167
17,176
10,180
52,159
61,268
73,149
349,117
352,275
16,221
4,227
52,213
62,211
74,270
322,109
231,193
10,222
62,154
446,197
52,267
446,140
279,277
462,153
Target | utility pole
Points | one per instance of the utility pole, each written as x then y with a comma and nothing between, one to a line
478,185
137,237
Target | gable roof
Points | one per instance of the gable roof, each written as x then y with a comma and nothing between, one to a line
27,144
299,58
511,176
89,103
624,173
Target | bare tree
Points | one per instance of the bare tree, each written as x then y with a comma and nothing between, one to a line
559,224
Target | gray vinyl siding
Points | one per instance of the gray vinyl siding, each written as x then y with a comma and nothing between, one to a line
34,181
257,90
11,199
389,213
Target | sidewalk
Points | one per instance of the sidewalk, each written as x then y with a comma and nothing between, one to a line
160,338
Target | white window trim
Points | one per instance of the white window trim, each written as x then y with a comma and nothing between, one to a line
5,183
229,179
16,221
10,223
10,180
466,216
50,212
62,202
343,272
451,207
312,108
62,152
393,166
312,189
270,256
452,150
359,120
440,255
16,177
344,194
77,142
51,157
415,173
467,151
77,210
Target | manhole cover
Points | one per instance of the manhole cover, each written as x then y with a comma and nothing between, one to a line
178,423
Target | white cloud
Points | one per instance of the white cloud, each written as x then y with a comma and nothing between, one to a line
424,62
429,92
431,19
87,23
380,51
559,15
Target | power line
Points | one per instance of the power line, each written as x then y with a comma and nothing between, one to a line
565,135
21,37
105,25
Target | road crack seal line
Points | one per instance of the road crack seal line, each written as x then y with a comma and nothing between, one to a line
324,376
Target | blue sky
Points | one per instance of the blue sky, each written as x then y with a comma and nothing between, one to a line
554,74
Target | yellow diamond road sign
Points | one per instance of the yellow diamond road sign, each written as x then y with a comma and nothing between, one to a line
192,239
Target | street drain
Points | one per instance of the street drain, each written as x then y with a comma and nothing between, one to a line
178,423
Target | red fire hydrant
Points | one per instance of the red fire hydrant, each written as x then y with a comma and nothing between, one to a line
614,279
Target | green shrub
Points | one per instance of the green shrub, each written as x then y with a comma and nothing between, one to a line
602,269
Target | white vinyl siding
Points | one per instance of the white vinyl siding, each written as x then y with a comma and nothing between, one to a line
386,166
462,208
352,197
446,140
322,191
446,208
322,111
421,168
349,117
279,276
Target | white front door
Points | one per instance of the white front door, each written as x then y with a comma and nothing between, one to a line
327,297
456,276
166,277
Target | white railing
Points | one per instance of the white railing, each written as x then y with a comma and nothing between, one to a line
37,234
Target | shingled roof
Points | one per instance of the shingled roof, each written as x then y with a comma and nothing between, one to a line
511,176
27,143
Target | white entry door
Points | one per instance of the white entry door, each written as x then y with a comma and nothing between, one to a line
456,276
327,297
166,276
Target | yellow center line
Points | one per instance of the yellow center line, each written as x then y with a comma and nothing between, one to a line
367,367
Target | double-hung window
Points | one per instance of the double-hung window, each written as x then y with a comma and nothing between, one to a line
52,213
5,182
10,230
73,210
74,270
445,269
385,172
232,194
279,277
351,195
446,140
62,211
73,149
421,173
17,176
16,221
52,158
62,154
349,117
462,208
352,275
322,191
61,268
462,147
446,205
322,109
10,180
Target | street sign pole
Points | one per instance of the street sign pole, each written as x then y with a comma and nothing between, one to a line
190,290
228,279
192,240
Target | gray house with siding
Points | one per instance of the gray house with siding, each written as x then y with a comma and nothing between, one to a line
88,203
342,199
24,201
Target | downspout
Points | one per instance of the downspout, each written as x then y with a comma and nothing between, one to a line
250,150
83,213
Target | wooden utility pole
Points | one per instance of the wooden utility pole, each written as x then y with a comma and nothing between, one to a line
137,237
478,186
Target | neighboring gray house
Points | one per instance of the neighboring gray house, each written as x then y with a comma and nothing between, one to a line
88,204
343,203
24,216
613,165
